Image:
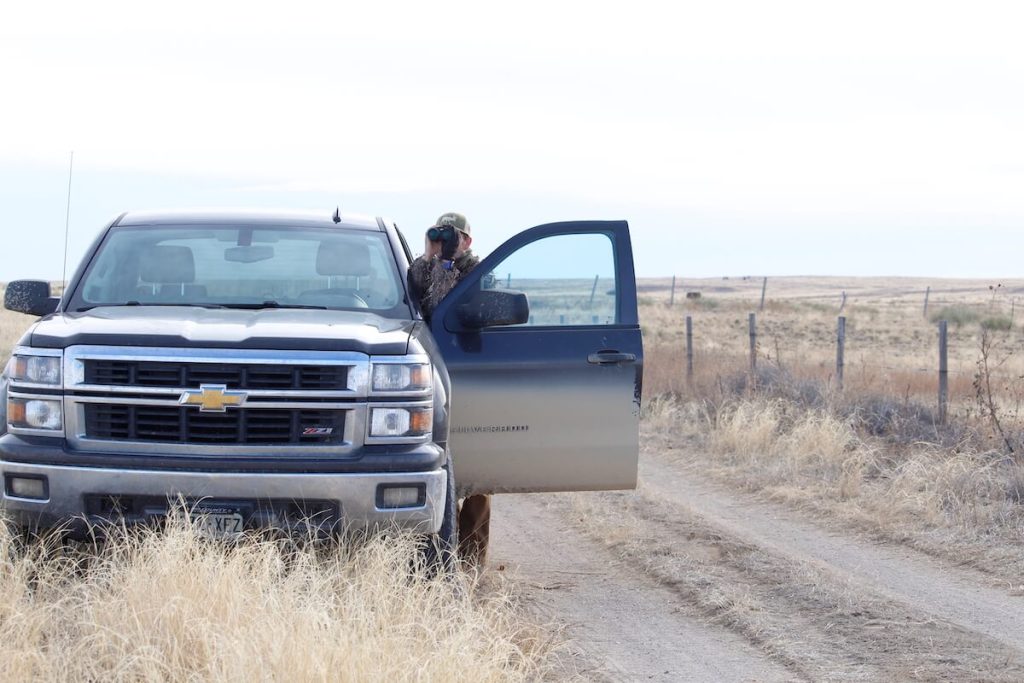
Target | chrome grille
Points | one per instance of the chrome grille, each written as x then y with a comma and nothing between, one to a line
127,400
184,425
235,376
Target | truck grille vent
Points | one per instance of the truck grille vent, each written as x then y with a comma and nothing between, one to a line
182,375
186,425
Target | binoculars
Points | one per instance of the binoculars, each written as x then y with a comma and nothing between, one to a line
444,233
447,236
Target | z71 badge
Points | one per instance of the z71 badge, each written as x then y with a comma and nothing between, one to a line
317,431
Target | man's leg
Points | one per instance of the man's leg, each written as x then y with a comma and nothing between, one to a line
474,528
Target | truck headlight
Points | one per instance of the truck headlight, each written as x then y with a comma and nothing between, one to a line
35,369
404,422
411,377
35,413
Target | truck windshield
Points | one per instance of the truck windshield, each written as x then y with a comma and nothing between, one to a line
242,267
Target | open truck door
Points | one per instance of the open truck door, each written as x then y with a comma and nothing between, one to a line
543,347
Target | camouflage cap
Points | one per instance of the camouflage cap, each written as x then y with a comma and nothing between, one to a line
456,220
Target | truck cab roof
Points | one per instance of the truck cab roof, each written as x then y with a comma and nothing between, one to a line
249,217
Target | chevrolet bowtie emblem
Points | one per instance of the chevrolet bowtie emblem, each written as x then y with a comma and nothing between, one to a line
212,398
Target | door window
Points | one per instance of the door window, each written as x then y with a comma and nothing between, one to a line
568,279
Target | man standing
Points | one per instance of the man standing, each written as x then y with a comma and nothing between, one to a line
447,258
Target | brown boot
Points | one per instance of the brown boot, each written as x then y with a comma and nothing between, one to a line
474,529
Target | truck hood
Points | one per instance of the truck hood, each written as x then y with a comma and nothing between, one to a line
190,326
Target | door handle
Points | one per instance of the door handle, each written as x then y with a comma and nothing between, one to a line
611,357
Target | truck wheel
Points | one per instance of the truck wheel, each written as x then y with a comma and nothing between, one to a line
441,549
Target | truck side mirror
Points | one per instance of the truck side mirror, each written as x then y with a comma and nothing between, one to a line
30,296
492,307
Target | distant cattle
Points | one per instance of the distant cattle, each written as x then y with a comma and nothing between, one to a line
693,295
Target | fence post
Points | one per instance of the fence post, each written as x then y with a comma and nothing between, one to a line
927,291
840,349
508,281
689,348
672,294
943,373
842,302
752,321
593,289
764,286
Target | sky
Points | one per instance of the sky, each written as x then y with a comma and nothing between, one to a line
737,138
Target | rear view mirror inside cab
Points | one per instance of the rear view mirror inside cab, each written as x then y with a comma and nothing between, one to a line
492,307
249,254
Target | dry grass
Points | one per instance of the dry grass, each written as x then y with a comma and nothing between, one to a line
173,606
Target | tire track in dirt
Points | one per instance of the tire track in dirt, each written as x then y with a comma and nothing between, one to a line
622,625
954,594
801,612
686,580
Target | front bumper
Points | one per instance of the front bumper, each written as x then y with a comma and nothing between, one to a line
72,492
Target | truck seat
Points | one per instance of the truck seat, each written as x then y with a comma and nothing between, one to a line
340,260
167,273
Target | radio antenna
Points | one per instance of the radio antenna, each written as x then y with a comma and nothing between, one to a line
67,223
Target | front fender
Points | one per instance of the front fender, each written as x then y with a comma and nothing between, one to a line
442,384
440,428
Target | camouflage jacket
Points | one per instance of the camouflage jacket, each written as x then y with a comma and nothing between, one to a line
430,282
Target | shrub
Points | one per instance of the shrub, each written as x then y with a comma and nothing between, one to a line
958,315
703,303
999,323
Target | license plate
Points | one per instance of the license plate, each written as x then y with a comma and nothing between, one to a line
220,525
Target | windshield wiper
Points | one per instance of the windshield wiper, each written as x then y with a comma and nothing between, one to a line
271,304
148,303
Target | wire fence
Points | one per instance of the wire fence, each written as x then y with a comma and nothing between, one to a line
938,373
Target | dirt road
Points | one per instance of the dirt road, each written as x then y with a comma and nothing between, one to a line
685,580
623,625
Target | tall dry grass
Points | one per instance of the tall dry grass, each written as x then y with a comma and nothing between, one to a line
172,606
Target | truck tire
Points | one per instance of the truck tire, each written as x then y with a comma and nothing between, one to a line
441,549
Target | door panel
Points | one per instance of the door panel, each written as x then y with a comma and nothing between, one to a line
552,404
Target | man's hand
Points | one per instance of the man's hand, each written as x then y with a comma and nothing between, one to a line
451,247
430,249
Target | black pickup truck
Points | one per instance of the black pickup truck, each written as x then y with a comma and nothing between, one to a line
272,369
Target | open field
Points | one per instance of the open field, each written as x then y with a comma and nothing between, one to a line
891,347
